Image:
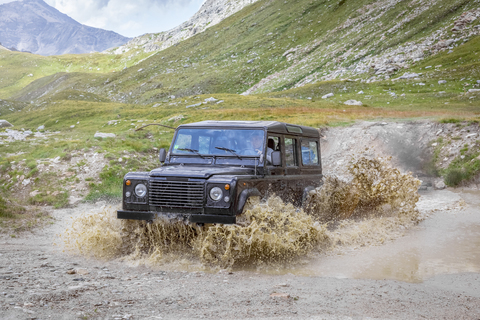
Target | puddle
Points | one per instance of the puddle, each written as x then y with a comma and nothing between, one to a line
447,242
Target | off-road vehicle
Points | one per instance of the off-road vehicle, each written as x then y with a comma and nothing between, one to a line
213,167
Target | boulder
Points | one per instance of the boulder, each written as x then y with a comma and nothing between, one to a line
440,185
5,124
42,127
407,75
104,135
328,95
442,81
353,103
473,90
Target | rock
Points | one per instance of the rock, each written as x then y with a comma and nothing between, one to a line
140,70
112,122
194,105
34,193
42,127
478,81
473,90
71,271
211,99
5,124
440,185
177,118
250,61
82,271
280,295
104,135
353,103
26,182
442,81
360,92
328,95
407,75
72,126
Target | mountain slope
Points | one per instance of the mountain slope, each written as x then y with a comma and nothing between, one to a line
210,13
34,26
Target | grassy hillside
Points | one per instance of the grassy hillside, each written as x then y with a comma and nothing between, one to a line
18,69
284,43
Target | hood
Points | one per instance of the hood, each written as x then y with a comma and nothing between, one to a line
198,171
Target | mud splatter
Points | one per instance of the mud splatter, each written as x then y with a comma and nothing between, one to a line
376,205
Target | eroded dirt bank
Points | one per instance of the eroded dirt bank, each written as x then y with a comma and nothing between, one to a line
430,270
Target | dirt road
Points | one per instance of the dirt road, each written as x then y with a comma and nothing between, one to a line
39,281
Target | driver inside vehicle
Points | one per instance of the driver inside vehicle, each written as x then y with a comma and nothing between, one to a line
255,147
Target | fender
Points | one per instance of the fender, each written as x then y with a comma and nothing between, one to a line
244,195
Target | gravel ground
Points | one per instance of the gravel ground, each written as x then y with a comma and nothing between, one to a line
39,281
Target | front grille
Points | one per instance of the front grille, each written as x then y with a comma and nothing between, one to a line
179,194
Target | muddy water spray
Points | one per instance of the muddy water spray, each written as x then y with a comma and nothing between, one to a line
368,209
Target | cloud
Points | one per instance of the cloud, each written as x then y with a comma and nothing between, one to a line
129,18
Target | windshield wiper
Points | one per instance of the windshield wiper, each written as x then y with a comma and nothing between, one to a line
192,151
229,150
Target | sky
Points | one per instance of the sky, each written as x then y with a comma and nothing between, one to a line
126,17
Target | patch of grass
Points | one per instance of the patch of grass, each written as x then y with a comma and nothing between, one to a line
464,167
8,209
451,120
49,191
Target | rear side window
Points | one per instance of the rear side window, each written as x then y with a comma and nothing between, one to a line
290,152
309,152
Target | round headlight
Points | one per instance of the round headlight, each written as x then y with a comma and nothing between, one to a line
140,190
216,193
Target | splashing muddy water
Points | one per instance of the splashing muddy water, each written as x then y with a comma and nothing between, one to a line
373,207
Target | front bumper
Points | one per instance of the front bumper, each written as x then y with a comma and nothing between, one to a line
193,218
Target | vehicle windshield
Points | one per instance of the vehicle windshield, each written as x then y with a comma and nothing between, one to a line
219,142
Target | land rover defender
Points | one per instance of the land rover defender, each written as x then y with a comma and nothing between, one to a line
213,167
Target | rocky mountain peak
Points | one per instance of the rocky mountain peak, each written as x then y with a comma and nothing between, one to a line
34,26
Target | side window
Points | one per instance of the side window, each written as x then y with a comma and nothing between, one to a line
273,144
309,152
290,152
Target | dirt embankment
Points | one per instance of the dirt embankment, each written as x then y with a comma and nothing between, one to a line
421,147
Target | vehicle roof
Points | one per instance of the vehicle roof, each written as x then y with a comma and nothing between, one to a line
270,126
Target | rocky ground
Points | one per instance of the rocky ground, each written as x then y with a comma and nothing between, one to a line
39,281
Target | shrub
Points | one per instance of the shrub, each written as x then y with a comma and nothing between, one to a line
454,176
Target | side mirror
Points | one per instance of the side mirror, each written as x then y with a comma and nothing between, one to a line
162,155
276,158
